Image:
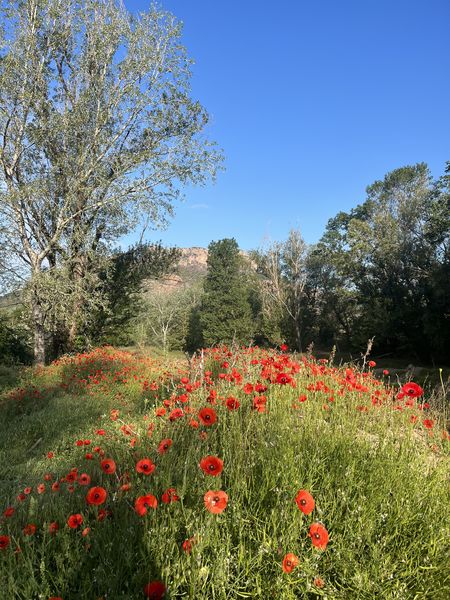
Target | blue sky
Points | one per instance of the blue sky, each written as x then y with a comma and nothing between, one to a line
311,102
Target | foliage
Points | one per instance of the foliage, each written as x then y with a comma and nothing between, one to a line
123,281
373,457
97,133
14,347
225,313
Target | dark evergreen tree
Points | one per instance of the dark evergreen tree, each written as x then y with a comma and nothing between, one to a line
226,313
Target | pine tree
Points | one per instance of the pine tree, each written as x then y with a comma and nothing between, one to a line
225,313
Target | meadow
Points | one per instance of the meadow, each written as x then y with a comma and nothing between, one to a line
244,473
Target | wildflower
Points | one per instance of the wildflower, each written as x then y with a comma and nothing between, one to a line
290,561
40,488
319,582
215,501
164,445
145,466
428,423
305,502
142,503
170,495
412,389
29,529
211,465
96,496
283,378
8,512
75,521
84,479
177,413
187,545
4,542
318,535
53,528
155,590
108,466
232,403
207,416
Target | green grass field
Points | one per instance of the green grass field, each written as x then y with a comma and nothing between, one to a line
375,464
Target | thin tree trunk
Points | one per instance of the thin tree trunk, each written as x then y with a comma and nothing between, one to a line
38,329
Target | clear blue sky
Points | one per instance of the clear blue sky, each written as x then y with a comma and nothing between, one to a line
311,102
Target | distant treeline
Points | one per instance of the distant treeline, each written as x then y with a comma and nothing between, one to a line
380,271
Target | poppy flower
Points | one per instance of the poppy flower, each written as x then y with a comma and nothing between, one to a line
145,466
108,466
96,496
143,503
40,488
211,465
305,502
177,413
9,512
232,403
164,445
155,590
207,416
318,535
411,389
283,378
74,521
428,423
319,582
290,561
4,542
170,495
29,529
215,501
187,545
84,479
53,527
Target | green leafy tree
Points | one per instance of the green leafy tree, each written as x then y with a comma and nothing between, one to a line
98,132
226,314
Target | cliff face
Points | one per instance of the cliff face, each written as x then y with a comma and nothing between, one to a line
191,268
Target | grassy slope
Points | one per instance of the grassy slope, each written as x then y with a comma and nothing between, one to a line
380,484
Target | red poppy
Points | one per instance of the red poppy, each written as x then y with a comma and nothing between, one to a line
96,496
108,466
170,495
143,503
177,413
283,378
305,502
164,445
155,590
211,465
145,466
4,542
187,545
290,561
84,479
29,529
53,527
411,389
207,416
318,535
215,501
40,488
9,512
74,521
232,403
428,423
55,486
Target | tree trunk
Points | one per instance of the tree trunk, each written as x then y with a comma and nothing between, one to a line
38,330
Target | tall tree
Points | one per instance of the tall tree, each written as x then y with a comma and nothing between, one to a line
225,313
97,132
283,271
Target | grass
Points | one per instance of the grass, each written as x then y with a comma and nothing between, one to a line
379,481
